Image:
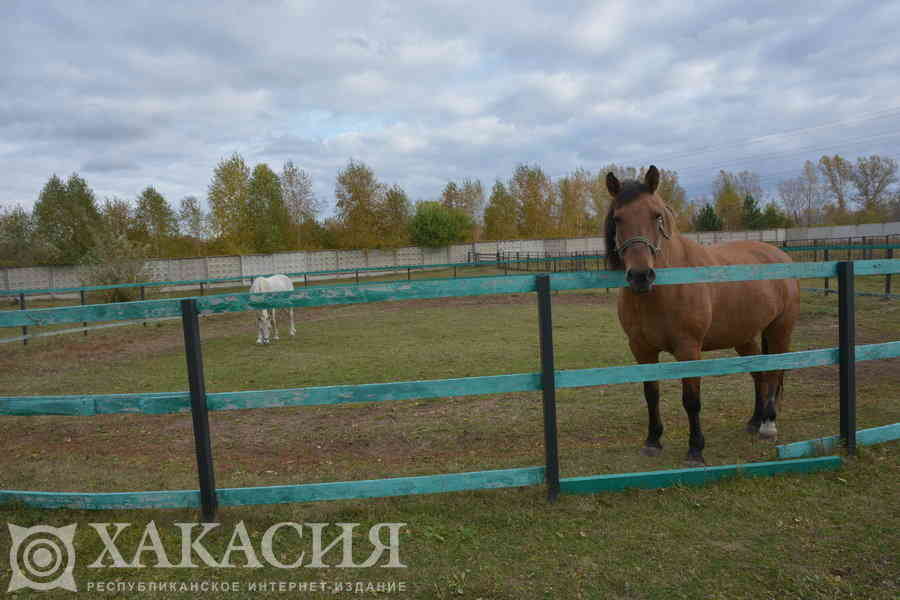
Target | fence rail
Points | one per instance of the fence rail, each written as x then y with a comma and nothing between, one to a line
198,401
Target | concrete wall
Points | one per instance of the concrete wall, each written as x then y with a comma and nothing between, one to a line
323,260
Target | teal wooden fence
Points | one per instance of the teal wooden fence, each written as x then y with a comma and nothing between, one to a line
156,403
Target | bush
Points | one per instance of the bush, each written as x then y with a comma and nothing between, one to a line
115,259
435,225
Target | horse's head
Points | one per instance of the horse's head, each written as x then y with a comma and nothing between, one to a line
637,225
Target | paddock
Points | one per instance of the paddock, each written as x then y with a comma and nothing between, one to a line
600,428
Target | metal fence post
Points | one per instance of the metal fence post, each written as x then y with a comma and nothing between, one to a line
83,324
827,280
199,411
143,297
24,327
847,353
887,277
548,386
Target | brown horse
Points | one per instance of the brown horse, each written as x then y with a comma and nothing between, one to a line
684,320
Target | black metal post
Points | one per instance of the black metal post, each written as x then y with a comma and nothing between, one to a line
887,278
408,274
143,297
357,277
202,290
83,324
305,280
24,327
847,354
827,280
199,412
548,386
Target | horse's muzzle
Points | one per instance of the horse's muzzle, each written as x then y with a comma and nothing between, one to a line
640,282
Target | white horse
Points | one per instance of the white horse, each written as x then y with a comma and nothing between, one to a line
275,283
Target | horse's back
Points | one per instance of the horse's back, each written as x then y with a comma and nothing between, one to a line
742,308
273,283
747,252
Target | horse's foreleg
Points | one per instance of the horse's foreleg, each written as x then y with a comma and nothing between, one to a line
690,399
293,329
274,325
652,447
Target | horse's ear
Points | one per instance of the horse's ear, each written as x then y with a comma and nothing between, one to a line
612,184
613,261
651,179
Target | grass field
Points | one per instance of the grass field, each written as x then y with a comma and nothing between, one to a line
821,536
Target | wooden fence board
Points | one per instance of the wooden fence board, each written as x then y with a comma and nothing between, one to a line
694,476
864,437
308,492
173,402
435,288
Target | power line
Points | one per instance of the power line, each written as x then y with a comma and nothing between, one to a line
862,117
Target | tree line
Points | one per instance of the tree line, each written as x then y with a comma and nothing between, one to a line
831,191
257,210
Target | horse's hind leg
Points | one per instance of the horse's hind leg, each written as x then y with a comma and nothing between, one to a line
760,381
274,326
776,340
293,329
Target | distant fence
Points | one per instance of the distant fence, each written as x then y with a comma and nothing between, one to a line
220,270
547,380
553,262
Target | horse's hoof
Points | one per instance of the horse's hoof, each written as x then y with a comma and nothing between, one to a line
767,431
651,450
694,460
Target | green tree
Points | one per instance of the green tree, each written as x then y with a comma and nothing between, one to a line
473,199
775,218
297,191
751,214
435,225
359,196
574,192
451,196
270,223
729,206
536,199
707,219
501,214
155,221
117,217
394,218
66,219
229,204
838,175
873,177
192,223
16,238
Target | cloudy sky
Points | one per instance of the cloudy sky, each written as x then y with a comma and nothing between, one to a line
130,94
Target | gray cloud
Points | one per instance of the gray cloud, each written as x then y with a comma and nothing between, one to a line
132,95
